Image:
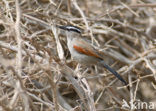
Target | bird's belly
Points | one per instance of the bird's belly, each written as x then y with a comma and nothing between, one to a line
84,59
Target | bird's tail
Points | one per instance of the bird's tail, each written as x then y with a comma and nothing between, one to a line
113,72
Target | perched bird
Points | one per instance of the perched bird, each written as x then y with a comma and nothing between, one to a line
83,52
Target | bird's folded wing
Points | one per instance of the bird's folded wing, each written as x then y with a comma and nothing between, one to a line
85,48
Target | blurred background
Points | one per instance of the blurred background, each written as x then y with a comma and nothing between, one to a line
37,72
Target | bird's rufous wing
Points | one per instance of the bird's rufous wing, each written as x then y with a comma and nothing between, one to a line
83,47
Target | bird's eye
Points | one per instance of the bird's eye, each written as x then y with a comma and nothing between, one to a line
68,30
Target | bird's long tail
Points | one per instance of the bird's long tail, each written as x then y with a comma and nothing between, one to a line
113,72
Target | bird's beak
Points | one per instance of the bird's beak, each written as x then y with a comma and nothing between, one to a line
61,27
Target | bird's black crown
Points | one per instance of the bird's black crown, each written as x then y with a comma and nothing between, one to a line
71,28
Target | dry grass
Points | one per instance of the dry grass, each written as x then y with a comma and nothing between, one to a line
36,69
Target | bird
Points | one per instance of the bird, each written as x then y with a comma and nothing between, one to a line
83,52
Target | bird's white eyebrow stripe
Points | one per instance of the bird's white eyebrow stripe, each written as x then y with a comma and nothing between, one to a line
73,28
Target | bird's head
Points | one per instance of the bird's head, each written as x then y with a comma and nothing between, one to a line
71,28
71,31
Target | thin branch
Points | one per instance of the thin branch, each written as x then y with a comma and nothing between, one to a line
19,39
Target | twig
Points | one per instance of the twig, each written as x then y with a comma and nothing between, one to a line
85,21
19,39
88,103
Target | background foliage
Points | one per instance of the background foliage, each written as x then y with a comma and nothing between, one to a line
36,69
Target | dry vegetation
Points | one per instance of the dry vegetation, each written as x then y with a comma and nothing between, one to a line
36,69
